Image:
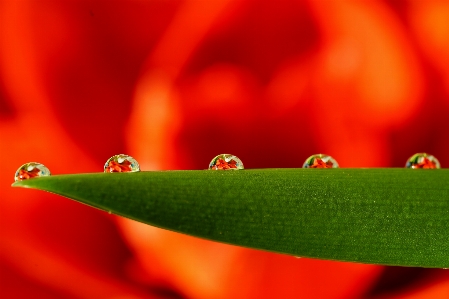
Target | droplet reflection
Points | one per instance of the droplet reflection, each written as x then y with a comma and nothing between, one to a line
422,160
226,162
31,170
320,161
121,163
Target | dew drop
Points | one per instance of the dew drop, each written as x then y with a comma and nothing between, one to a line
226,162
320,161
121,163
422,160
31,170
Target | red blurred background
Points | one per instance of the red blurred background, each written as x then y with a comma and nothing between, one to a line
174,83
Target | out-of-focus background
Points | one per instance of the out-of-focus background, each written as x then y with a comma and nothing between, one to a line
174,83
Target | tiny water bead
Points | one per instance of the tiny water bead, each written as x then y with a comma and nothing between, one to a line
31,170
226,162
121,163
423,160
320,161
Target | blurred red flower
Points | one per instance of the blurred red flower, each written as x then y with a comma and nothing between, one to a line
84,80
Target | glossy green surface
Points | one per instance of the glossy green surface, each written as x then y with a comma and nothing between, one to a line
381,216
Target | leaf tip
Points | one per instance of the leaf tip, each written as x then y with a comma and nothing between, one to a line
21,184
18,184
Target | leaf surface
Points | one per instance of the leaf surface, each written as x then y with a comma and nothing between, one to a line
379,216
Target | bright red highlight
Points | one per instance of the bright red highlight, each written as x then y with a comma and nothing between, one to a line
114,166
319,163
221,164
426,163
25,174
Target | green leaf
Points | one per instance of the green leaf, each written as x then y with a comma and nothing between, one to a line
380,216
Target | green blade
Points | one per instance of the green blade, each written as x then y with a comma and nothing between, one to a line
379,216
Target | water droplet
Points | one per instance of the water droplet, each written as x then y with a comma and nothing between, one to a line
121,163
298,257
320,161
226,162
423,160
31,170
